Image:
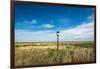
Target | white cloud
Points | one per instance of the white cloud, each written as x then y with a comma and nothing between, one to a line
91,18
47,26
82,32
25,35
33,21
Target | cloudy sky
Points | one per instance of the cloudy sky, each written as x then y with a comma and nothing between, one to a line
39,23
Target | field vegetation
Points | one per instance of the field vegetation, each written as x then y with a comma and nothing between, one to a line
44,53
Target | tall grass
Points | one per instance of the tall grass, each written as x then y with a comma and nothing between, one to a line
35,56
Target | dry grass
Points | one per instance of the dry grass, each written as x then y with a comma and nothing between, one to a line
41,55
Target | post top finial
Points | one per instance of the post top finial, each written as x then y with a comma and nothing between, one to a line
57,31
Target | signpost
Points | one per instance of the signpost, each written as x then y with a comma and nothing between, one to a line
57,33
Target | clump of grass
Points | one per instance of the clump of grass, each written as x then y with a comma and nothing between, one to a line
85,45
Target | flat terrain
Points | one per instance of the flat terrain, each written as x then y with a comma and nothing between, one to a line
42,53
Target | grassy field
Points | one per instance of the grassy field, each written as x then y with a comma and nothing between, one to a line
42,53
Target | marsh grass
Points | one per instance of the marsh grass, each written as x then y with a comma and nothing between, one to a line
29,55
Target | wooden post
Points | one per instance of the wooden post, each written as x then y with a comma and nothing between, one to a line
57,33
57,42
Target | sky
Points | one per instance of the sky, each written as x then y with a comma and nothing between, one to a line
39,23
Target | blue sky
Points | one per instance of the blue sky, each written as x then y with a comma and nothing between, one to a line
39,23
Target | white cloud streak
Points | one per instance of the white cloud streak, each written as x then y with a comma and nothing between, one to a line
47,26
33,21
82,32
